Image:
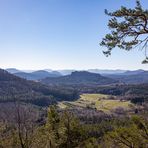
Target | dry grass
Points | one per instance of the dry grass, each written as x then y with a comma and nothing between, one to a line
97,101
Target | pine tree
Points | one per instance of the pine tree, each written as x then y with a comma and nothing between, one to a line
129,29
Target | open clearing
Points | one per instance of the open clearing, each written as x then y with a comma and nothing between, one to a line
101,102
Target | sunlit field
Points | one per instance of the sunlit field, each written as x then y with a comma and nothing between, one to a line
105,103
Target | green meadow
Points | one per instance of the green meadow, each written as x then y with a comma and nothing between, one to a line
105,103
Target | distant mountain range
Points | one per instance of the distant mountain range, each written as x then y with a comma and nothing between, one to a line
131,77
99,71
79,77
36,75
66,71
128,77
13,70
106,71
123,76
69,71
134,72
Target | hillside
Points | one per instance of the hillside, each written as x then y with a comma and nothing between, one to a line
79,78
13,88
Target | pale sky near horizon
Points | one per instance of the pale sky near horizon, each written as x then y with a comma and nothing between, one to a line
61,34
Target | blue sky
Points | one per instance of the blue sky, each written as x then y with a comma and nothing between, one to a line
60,34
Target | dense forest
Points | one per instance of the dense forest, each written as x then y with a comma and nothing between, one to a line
63,129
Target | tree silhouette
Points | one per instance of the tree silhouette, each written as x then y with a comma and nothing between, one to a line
129,29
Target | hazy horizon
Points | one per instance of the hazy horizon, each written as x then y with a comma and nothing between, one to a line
71,69
59,34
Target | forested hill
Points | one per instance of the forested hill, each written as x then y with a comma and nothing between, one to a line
14,88
135,77
82,77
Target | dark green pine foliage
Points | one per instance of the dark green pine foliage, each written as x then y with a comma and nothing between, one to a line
129,29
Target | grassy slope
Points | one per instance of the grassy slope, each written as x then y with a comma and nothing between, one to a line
97,101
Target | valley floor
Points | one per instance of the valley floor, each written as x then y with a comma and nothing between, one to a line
105,103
